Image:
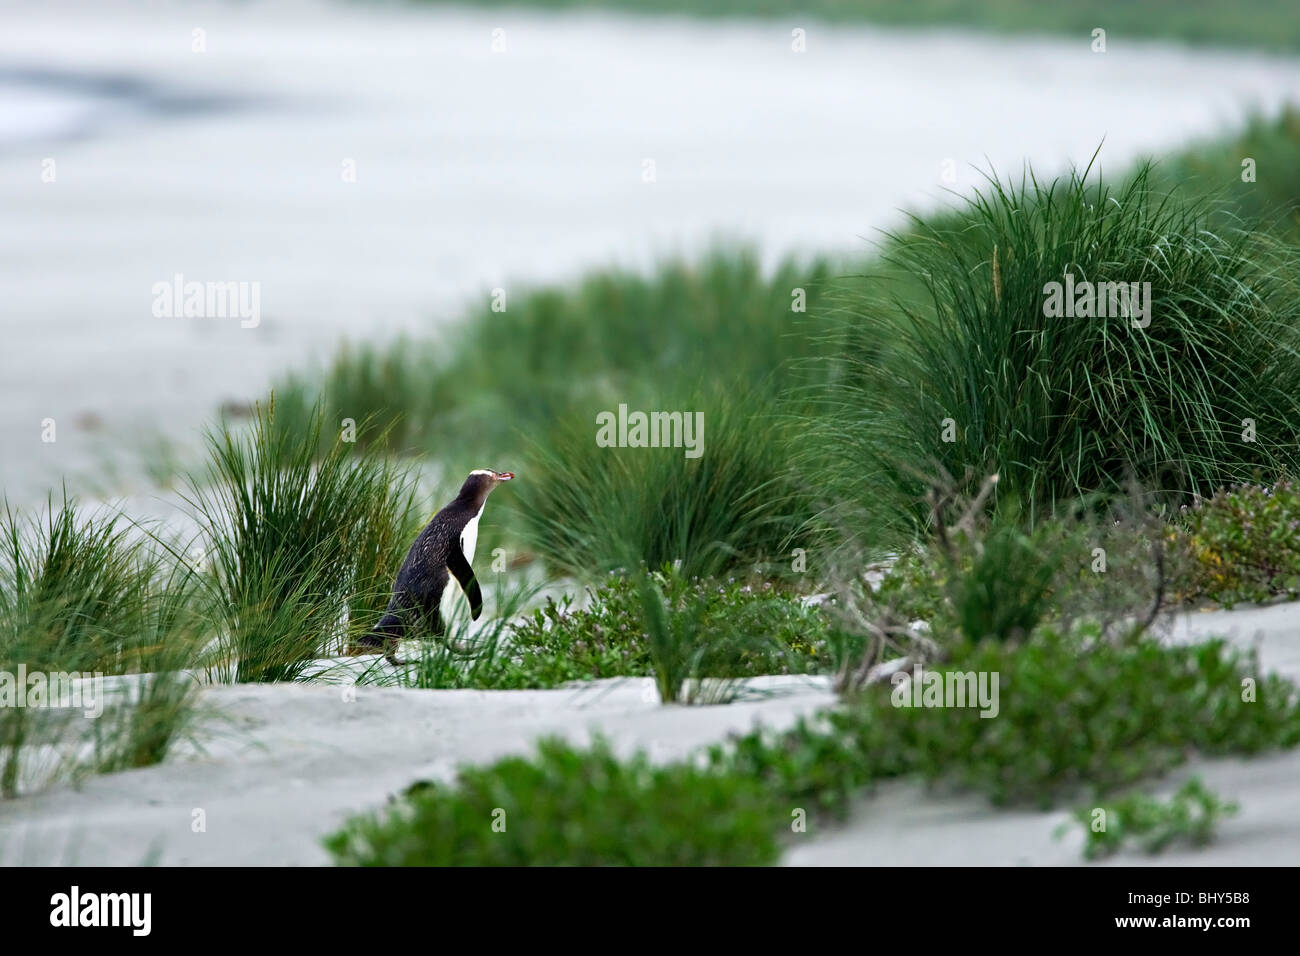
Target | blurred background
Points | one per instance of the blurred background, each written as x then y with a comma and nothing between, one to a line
379,168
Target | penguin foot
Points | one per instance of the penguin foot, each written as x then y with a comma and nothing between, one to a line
371,643
456,647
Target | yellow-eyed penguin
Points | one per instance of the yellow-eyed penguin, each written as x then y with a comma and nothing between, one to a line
445,548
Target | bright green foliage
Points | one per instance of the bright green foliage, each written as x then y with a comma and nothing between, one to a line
1191,815
573,807
1241,544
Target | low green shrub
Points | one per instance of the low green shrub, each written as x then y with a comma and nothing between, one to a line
1073,712
738,629
573,807
1240,544
1190,815
993,575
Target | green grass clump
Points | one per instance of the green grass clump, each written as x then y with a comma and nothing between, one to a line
976,379
87,595
1191,815
572,807
299,552
1241,544
1005,591
74,594
590,509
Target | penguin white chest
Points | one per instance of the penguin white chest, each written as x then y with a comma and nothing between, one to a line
469,536
453,598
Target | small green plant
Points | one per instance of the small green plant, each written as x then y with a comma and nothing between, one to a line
679,650
1241,544
999,577
728,628
1191,815
573,807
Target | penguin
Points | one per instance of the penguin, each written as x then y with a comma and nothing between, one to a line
443,549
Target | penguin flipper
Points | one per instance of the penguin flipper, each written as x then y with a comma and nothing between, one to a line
458,566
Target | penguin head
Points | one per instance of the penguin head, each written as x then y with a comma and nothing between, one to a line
480,483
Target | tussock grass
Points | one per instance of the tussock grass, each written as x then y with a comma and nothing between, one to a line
75,592
1062,407
300,551
588,509
1058,409
84,594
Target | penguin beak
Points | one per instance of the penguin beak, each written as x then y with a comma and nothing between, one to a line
505,475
